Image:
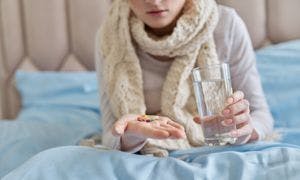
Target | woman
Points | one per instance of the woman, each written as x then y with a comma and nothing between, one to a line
145,53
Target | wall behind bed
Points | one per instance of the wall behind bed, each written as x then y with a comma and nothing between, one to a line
58,35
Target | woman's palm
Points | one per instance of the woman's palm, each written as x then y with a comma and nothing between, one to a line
160,128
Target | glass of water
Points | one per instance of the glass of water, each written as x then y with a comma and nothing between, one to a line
212,87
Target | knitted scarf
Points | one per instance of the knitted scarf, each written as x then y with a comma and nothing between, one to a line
190,44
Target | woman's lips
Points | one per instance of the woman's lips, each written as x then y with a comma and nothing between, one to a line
157,12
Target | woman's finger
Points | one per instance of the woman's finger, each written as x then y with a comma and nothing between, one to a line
238,107
175,124
147,130
166,120
166,124
235,97
159,128
242,118
156,133
199,120
238,126
243,131
238,119
175,133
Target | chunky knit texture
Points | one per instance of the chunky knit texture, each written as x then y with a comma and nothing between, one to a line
191,44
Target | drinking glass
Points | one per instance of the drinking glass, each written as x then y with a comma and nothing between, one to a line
212,87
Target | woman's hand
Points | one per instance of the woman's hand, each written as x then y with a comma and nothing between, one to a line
160,128
134,132
237,112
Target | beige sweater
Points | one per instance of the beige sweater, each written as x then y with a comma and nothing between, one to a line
233,46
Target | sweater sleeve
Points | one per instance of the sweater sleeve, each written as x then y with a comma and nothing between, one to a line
245,76
108,119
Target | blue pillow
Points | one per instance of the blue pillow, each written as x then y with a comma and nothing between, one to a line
279,68
58,89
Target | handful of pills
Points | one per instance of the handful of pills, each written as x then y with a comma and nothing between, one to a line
146,118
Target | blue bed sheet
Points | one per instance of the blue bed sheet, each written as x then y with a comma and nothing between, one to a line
41,128
252,161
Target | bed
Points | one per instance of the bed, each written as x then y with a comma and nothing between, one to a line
49,98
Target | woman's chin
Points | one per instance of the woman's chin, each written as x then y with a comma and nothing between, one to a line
158,25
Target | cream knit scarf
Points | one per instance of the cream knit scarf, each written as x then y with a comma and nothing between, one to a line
190,44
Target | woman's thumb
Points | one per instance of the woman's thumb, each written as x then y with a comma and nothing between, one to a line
119,127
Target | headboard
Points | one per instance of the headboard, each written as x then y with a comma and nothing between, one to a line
268,21
39,35
58,35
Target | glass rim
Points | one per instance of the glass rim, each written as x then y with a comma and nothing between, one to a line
211,66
